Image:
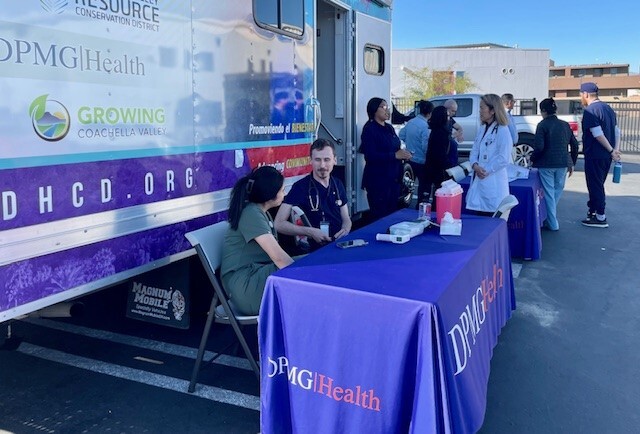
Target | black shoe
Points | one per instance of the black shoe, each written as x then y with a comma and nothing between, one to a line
593,222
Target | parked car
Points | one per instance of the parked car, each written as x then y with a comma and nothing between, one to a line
468,116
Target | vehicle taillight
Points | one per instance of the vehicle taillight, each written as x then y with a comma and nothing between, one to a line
574,127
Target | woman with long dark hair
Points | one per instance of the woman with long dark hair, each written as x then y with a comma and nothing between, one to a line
251,252
437,160
383,170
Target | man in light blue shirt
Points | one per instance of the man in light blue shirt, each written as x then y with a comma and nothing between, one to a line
415,134
509,102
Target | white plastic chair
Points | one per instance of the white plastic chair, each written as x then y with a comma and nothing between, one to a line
504,209
208,244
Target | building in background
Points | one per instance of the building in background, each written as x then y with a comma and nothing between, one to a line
613,79
492,68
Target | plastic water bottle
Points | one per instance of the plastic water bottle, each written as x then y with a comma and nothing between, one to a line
617,172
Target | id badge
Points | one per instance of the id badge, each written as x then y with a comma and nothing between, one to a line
324,227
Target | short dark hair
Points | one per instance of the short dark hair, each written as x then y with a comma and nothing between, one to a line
506,97
548,105
320,144
425,107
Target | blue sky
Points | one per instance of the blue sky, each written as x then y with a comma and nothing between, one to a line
575,32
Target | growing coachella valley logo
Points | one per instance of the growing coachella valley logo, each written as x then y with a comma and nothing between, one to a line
50,119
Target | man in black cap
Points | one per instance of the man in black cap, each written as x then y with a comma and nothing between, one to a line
600,145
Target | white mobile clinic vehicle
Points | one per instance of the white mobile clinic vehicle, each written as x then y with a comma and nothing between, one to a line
125,123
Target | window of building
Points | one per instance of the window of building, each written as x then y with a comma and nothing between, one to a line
282,16
459,74
578,72
373,59
614,71
597,72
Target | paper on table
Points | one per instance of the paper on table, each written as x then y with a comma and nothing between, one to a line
517,172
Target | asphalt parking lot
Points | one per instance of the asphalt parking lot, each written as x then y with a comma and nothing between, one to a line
566,362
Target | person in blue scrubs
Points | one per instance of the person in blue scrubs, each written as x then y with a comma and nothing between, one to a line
323,199
599,144
384,159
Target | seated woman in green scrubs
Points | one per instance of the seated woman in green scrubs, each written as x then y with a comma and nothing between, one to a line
251,252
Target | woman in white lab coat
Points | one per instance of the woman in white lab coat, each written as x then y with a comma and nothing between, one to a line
490,155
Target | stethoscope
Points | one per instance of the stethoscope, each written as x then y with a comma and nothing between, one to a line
315,206
493,132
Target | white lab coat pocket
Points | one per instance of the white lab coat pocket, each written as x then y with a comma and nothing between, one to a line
483,194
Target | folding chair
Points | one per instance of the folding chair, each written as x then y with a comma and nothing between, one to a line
504,209
208,244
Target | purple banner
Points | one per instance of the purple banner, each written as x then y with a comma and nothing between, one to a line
36,195
26,281
525,219
386,338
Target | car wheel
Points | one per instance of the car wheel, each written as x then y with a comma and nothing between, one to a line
407,186
522,154
523,151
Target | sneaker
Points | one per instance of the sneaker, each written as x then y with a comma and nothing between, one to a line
593,222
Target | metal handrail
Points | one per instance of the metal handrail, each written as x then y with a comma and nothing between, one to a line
333,136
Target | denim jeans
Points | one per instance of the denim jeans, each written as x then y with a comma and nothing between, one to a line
552,180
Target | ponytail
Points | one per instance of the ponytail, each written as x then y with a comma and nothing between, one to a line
238,201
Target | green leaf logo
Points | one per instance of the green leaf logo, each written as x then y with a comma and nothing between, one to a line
38,106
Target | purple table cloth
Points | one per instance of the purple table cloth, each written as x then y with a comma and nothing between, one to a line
526,218
386,338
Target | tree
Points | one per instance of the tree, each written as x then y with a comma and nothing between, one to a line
425,83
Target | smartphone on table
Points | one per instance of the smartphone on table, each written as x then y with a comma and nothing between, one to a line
351,243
